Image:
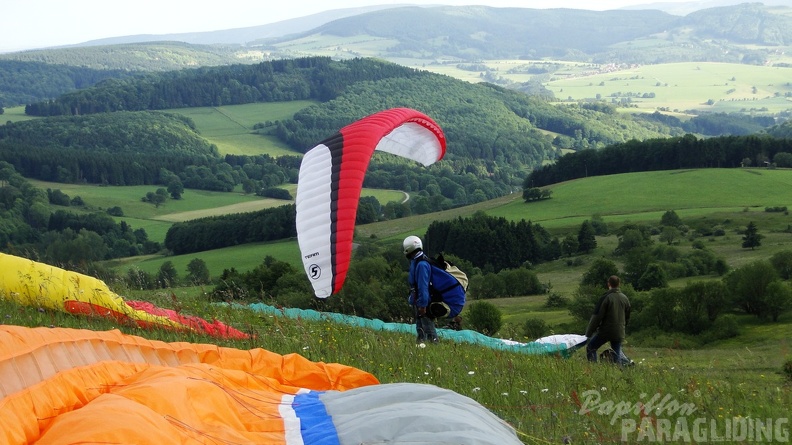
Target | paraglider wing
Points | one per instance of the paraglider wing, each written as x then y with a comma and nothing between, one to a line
330,180
60,385
31,283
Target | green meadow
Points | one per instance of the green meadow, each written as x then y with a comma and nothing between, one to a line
671,394
683,86
14,114
230,128
680,87
647,195
728,197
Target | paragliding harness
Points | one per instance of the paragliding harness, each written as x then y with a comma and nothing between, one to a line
437,307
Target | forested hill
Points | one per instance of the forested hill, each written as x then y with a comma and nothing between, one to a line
27,82
481,32
124,148
483,122
744,33
748,33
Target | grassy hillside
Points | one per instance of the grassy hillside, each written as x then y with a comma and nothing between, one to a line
194,203
729,197
231,128
683,87
546,399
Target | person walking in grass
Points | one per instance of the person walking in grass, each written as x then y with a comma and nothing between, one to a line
607,324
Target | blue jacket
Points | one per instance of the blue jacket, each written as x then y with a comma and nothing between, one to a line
422,276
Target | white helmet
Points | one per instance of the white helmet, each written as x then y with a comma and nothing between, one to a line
411,244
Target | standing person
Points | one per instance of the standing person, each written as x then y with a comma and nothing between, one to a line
607,324
433,292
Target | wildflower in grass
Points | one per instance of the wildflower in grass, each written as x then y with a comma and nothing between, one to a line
476,389
471,372
545,389
504,394
523,392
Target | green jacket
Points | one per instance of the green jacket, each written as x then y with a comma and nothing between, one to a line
610,316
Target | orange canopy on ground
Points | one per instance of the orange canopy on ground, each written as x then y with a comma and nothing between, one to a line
62,385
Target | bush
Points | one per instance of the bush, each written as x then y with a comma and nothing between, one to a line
656,338
724,327
115,211
484,317
535,328
787,368
555,301
275,193
584,301
599,272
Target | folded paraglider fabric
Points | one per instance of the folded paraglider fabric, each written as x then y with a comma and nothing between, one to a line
32,283
66,386
560,345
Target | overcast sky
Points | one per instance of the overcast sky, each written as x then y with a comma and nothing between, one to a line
27,24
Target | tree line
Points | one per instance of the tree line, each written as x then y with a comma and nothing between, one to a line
216,232
664,154
492,244
29,228
700,312
24,82
317,78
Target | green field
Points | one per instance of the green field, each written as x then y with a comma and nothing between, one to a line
230,128
684,86
647,195
14,114
680,87
730,197
548,400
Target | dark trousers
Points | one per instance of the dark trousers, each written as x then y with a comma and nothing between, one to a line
424,327
596,342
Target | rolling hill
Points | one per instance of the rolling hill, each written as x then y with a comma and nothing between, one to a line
459,41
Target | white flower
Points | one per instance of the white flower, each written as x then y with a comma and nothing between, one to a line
603,389
504,394
421,345
545,389
523,392
305,347
471,372
476,389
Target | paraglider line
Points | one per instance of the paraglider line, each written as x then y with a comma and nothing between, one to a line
186,427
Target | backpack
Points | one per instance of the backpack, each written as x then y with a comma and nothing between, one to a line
453,270
443,266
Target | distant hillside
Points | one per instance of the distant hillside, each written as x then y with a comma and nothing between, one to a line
747,33
479,32
243,36
750,23
149,56
621,36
